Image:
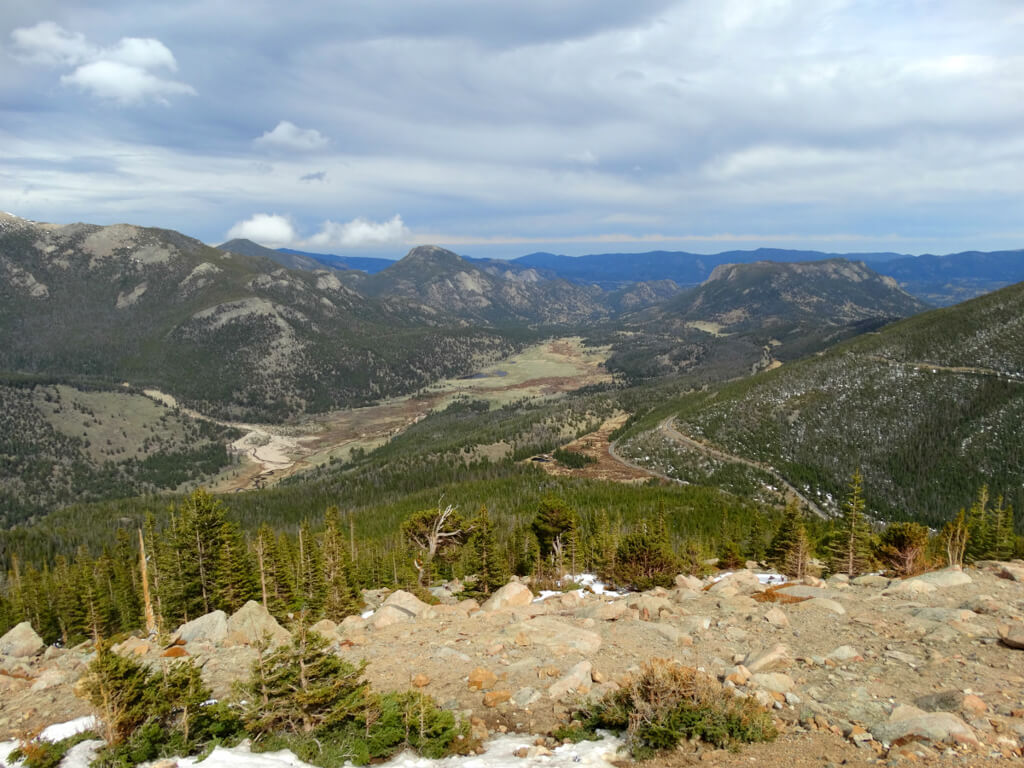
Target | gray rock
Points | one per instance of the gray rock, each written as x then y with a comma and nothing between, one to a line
21,641
943,701
524,697
406,601
823,603
576,680
692,583
511,595
777,682
558,636
388,616
211,628
1012,635
776,617
251,623
871,580
912,724
744,582
768,658
601,610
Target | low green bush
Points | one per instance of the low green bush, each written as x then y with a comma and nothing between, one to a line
667,704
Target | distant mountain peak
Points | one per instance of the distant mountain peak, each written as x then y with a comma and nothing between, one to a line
434,254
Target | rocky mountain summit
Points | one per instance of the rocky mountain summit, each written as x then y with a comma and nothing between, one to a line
877,670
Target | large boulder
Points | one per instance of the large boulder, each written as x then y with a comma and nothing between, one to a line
768,658
512,595
929,582
21,641
557,636
1012,635
388,616
211,628
744,582
251,623
575,680
407,601
912,724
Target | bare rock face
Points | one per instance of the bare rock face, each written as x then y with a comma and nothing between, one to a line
251,623
388,616
406,601
512,595
1012,635
21,641
744,582
577,679
211,628
558,636
912,724
768,659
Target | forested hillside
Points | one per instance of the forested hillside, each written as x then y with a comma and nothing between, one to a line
929,408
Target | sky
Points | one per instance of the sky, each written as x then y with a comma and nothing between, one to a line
503,128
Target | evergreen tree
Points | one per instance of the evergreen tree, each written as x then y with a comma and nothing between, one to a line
301,688
644,561
850,550
555,527
234,576
788,551
435,535
199,538
484,558
901,547
341,598
309,572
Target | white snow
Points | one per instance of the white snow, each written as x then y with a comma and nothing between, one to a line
499,754
585,581
769,577
70,728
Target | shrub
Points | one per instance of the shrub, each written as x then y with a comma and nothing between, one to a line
145,715
304,698
901,548
572,459
666,704
643,561
46,754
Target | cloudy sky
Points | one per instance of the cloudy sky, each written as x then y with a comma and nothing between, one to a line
501,128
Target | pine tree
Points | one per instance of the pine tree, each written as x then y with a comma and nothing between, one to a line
234,577
788,551
644,561
555,527
851,548
200,540
435,535
484,558
301,688
340,599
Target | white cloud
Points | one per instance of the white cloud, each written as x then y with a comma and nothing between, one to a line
123,83
287,135
268,229
50,44
361,232
121,73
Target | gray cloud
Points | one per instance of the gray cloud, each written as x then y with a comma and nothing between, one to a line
619,122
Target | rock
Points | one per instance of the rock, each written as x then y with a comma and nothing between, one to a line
175,652
870,580
694,624
1012,635
738,675
769,658
604,611
983,604
494,698
908,587
777,682
845,653
406,601
689,582
651,607
511,595
947,577
912,724
252,624
211,628
49,678
1013,571
744,582
351,624
388,616
328,630
481,679
577,679
803,590
21,641
420,681
524,697
673,634
133,646
559,637
824,603
776,617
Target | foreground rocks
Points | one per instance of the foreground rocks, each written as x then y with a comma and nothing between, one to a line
894,671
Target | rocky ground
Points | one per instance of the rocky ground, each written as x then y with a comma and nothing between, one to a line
873,671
